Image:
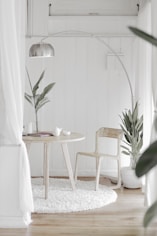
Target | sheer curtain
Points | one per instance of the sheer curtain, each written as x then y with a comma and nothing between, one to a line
143,87
143,83
147,87
12,75
152,176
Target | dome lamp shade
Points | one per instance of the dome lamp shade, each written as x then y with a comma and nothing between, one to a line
41,50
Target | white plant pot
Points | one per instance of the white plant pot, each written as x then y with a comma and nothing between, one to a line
129,178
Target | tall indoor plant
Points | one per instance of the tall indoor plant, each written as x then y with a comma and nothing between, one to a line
132,126
38,100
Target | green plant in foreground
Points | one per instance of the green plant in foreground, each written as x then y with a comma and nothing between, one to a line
38,100
148,159
132,126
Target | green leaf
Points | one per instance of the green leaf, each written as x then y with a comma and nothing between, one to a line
147,160
42,103
126,153
29,98
126,148
126,122
150,214
130,116
127,143
140,144
123,128
149,38
128,138
48,88
43,94
36,86
139,124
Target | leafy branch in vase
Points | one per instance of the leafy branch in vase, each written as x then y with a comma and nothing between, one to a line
38,100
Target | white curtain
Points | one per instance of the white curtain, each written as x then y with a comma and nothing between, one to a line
147,87
152,176
143,87
12,75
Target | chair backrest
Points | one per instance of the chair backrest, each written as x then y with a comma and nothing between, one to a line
108,133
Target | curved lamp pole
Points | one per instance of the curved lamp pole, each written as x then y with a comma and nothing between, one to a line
65,33
125,71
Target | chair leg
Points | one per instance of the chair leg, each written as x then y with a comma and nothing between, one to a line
119,175
98,162
118,185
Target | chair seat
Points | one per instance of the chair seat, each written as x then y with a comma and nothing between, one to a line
92,154
97,155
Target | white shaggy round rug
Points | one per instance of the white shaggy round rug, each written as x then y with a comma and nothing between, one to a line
61,197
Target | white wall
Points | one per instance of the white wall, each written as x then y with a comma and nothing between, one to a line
91,88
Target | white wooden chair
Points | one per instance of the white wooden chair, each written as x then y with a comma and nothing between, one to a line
107,133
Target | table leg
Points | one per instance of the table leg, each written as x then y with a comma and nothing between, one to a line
46,169
44,164
68,163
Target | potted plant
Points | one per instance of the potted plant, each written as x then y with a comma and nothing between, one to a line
132,126
38,100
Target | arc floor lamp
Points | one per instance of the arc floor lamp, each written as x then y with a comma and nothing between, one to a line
43,49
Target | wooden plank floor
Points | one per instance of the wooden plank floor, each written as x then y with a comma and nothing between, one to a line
122,218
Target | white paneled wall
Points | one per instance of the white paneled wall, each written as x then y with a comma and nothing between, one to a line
91,91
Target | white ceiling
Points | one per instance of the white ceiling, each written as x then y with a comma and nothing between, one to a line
94,7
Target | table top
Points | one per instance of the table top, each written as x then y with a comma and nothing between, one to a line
73,137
